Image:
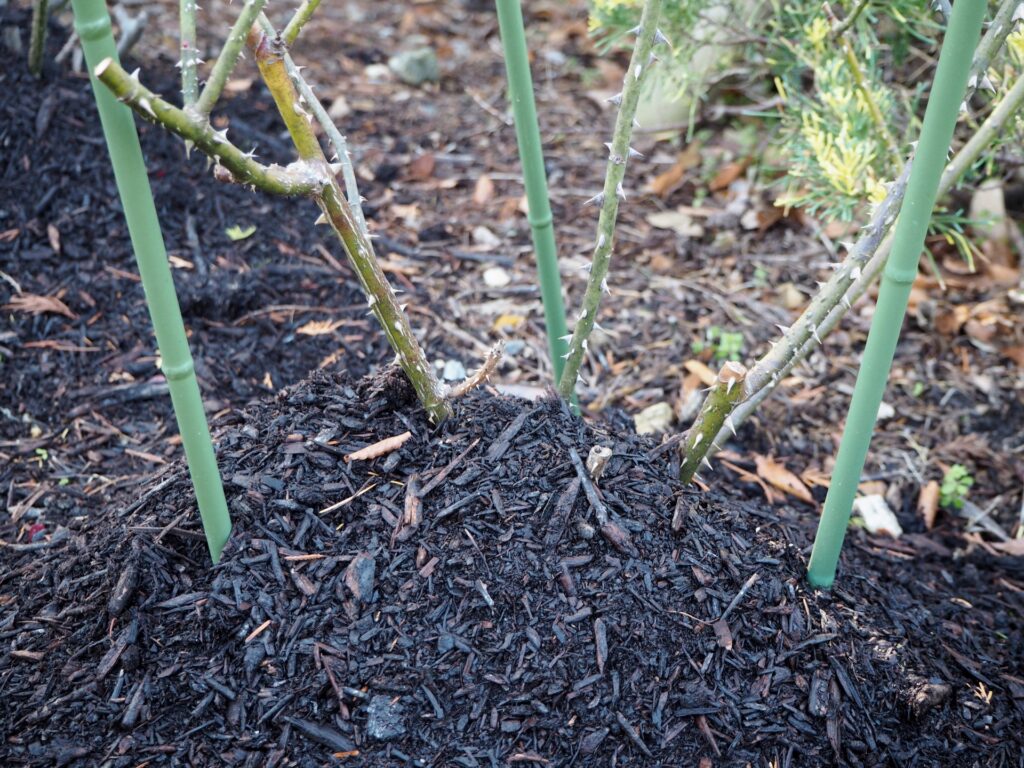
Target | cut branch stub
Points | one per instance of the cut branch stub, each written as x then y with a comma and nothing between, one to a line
725,393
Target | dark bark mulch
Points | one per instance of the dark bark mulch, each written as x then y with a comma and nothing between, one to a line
84,407
502,628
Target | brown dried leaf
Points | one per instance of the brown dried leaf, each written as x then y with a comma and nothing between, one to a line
727,174
928,503
380,448
665,183
319,327
779,477
1014,547
38,305
422,168
483,191
701,371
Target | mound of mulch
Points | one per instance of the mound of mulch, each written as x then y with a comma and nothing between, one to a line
455,602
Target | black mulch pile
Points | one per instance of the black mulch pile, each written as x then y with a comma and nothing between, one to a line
455,603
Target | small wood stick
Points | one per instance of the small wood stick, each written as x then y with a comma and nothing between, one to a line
597,461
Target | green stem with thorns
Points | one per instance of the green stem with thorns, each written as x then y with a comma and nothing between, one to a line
647,34
233,164
225,64
269,53
37,41
725,393
298,21
189,60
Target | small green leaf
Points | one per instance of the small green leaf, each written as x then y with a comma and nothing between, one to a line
240,233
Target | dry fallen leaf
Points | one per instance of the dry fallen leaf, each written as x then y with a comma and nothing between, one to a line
928,503
701,371
678,221
483,191
727,174
508,322
1013,547
380,448
422,168
779,477
38,305
665,183
319,327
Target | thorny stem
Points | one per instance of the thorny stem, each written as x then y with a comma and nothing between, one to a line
482,374
189,61
993,39
37,42
234,164
269,54
334,136
228,58
838,30
725,393
867,258
298,21
858,74
960,164
647,34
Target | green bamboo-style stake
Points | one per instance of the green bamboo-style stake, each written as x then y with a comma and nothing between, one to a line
531,156
908,240
93,25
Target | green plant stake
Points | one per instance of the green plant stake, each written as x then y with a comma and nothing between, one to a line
531,155
93,25
908,241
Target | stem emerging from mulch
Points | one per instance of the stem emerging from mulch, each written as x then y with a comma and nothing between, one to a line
311,176
725,393
647,36
37,41
269,53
